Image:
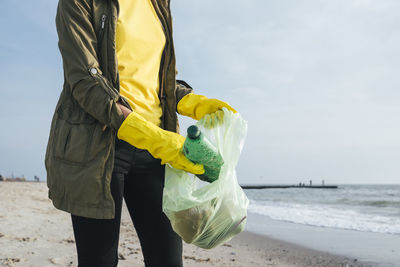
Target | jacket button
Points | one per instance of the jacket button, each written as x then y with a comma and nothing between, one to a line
93,71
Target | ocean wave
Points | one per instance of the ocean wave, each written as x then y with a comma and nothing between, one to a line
380,203
327,216
372,203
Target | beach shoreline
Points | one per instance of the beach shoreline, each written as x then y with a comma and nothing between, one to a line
34,233
377,248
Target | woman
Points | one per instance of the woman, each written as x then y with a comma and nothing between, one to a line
115,126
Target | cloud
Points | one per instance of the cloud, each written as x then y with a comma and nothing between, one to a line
314,79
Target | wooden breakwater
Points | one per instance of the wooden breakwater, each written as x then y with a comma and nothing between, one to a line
289,186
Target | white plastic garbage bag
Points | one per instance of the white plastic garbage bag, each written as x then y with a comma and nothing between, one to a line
208,214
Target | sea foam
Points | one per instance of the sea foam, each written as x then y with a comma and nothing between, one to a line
369,208
326,217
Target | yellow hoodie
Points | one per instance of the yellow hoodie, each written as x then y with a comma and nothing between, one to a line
140,41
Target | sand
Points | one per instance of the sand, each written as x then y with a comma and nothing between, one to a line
34,233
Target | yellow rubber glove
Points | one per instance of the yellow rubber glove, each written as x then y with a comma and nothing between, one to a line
213,119
196,106
161,144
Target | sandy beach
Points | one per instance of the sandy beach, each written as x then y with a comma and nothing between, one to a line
34,233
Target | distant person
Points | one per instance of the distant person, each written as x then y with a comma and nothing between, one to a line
119,80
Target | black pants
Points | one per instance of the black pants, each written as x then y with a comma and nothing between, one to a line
139,179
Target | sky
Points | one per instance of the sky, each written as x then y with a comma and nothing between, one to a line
317,81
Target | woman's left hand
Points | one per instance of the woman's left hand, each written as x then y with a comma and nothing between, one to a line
197,106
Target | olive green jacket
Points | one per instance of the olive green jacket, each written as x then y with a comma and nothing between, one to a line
80,151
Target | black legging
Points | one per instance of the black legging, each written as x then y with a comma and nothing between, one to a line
139,179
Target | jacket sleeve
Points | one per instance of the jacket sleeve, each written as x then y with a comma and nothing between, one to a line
78,44
182,89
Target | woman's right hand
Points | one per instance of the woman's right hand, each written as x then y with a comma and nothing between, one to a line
161,144
126,111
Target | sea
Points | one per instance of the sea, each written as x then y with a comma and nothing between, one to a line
365,208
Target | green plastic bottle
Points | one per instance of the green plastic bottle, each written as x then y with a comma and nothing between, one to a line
198,149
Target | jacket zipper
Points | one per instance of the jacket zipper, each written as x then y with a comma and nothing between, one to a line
162,96
117,85
162,71
168,63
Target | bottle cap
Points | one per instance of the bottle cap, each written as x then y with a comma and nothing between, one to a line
193,132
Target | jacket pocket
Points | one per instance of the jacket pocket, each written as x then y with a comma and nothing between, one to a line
72,141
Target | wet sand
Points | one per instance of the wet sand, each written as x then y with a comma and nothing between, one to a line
34,233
